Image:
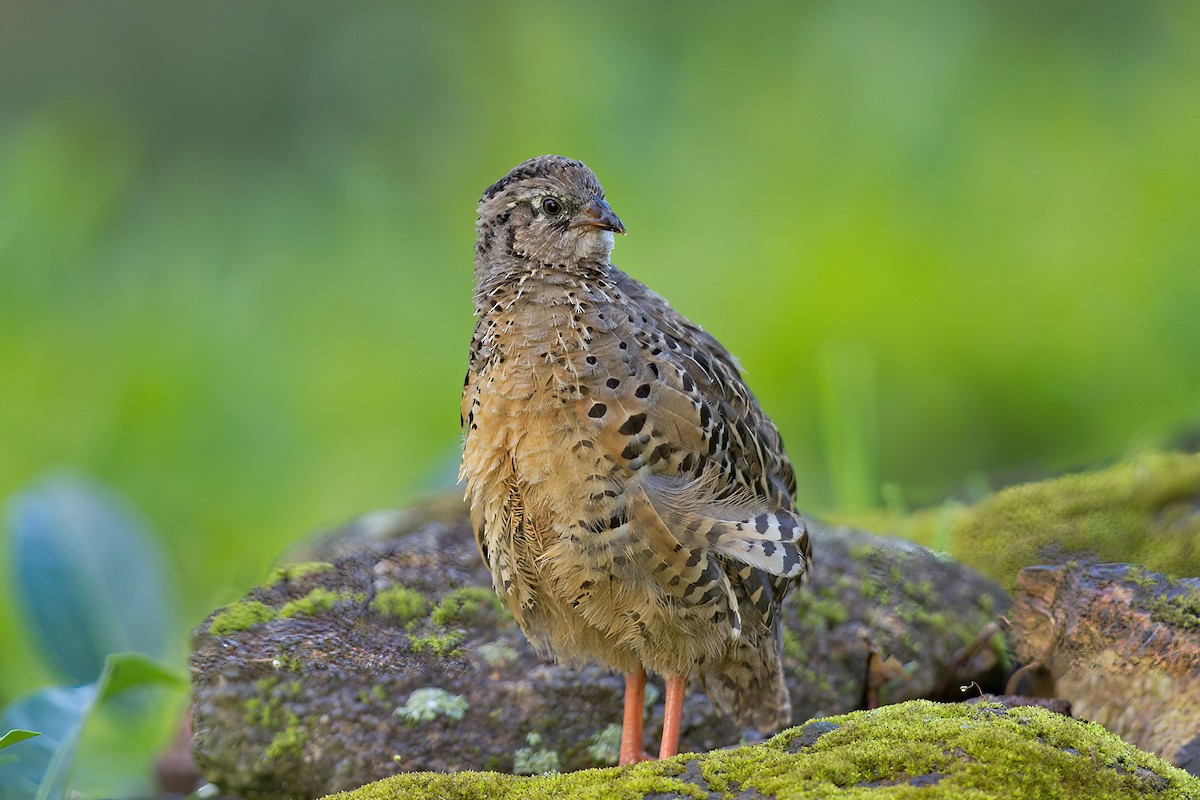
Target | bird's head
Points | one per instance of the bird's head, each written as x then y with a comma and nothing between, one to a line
549,212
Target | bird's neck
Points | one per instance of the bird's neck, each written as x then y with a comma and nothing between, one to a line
513,280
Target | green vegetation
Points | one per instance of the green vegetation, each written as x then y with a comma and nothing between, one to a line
471,605
440,644
318,601
290,739
915,749
400,603
965,244
267,710
534,759
1141,511
240,616
1180,608
605,746
295,572
948,241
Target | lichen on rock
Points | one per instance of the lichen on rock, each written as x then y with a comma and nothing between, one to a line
429,703
534,759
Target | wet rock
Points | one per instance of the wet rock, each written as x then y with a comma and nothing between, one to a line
385,650
1122,645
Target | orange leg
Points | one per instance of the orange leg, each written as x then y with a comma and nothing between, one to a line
673,716
631,727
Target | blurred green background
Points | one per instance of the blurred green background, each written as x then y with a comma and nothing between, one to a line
950,241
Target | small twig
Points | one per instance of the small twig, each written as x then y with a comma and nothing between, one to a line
1015,680
991,629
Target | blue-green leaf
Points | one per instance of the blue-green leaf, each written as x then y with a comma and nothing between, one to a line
59,714
89,577
43,766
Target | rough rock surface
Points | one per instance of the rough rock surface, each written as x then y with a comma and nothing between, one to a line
916,749
386,651
1122,645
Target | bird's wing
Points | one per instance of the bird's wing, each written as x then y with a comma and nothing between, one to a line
718,469
748,446
733,486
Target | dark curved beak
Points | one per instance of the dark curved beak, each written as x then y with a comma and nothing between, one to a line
598,215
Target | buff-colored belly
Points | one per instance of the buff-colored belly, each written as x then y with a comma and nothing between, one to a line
580,587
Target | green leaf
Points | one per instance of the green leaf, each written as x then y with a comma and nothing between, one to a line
126,671
59,713
44,766
89,577
14,736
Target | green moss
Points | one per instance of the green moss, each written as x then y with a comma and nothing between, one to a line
534,759
631,783
1179,607
287,662
917,749
316,602
264,685
792,647
819,612
440,644
921,617
376,694
430,703
256,711
1141,511
1138,512
240,616
471,605
862,551
1140,577
294,572
265,709
400,603
874,591
291,739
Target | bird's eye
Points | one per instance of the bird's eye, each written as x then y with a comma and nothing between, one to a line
551,206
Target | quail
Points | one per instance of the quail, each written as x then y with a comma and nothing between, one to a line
630,497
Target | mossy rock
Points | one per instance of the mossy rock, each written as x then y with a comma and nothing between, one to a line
1122,645
401,657
917,749
1143,511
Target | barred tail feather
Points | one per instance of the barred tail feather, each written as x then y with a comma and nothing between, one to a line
739,526
775,542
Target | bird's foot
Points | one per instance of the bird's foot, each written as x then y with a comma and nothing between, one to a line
638,758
